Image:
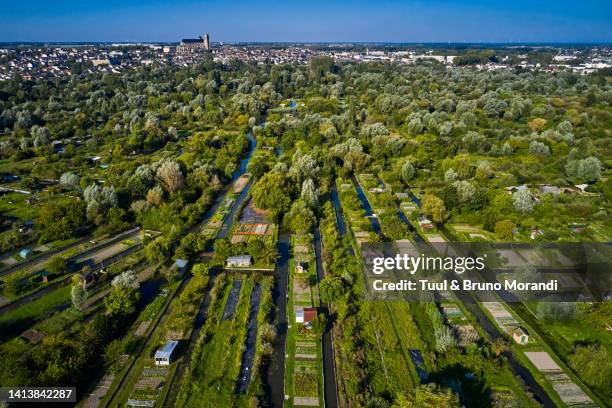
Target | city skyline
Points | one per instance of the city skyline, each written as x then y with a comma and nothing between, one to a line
472,21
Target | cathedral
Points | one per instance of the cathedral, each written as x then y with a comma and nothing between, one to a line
191,45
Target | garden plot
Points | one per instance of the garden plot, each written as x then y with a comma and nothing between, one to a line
546,257
232,300
570,393
215,222
94,399
501,315
303,251
142,328
543,362
466,335
408,207
435,238
465,332
148,388
303,259
370,182
362,237
470,232
105,253
512,258
253,229
241,183
465,228
253,215
306,384
301,293
13,258
253,223
216,360
306,350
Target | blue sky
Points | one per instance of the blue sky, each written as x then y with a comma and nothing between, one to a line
314,20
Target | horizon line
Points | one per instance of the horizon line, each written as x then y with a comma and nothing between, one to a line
451,42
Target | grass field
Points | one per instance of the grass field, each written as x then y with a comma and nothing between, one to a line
216,359
33,311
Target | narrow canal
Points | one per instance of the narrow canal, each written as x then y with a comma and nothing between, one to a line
341,225
367,207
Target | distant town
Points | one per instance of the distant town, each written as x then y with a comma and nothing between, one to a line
31,61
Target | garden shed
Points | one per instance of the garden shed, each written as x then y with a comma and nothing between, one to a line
163,356
240,261
520,336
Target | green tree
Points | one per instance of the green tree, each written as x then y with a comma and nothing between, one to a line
504,229
586,170
310,194
157,250
170,175
124,295
300,217
78,295
428,396
407,172
56,265
272,192
61,219
255,248
537,124
200,270
14,284
523,200
434,207
331,289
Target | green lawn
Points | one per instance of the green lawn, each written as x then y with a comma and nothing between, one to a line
32,312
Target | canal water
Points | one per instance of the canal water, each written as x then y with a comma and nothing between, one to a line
338,210
366,206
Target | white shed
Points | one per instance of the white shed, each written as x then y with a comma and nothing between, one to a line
520,336
241,261
163,356
299,316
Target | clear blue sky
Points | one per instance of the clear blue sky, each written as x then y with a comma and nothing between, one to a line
303,21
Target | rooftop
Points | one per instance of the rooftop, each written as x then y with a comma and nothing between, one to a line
181,263
166,351
239,258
